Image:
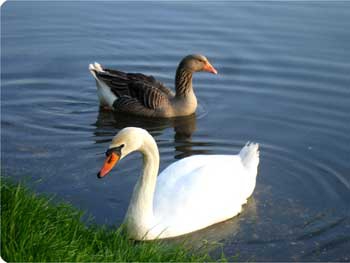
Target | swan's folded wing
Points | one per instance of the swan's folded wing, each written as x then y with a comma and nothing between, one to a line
202,189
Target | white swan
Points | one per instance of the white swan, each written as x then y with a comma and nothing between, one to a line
188,195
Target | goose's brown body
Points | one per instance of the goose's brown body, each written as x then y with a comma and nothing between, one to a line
136,93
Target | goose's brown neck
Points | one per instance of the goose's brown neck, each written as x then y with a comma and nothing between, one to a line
183,82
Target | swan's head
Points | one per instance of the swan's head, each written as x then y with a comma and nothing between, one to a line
126,141
196,62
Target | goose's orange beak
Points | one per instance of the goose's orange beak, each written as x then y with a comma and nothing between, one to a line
109,163
208,67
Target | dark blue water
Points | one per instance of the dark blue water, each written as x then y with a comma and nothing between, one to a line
284,81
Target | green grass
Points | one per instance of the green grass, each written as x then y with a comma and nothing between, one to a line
33,228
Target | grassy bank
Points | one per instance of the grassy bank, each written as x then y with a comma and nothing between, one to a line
33,228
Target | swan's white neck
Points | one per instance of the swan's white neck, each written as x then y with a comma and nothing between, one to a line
139,217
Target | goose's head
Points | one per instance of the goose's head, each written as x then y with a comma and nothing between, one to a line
196,62
126,141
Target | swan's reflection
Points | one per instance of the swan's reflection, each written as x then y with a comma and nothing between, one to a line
109,123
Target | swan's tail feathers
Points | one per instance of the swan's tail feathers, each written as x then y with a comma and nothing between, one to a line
250,156
94,68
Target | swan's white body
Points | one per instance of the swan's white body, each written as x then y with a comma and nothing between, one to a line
188,195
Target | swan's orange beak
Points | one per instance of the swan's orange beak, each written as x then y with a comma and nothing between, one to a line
208,67
109,163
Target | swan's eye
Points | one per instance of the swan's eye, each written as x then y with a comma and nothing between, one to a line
117,150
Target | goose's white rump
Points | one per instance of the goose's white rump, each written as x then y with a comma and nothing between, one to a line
105,96
188,195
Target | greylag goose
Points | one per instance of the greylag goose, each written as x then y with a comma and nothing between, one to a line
136,93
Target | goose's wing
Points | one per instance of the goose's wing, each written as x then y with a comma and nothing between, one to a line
132,105
148,91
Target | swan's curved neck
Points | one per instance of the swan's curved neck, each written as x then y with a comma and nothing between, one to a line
183,82
140,212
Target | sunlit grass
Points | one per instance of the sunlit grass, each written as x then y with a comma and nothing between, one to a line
33,228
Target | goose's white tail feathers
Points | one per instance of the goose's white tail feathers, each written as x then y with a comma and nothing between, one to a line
250,156
104,93
96,67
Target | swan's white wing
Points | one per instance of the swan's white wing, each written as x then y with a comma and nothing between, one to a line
201,190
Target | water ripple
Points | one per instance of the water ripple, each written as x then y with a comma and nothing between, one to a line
283,82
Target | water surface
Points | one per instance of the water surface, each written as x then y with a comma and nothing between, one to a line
283,82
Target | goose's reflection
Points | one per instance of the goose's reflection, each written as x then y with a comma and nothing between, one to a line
108,124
